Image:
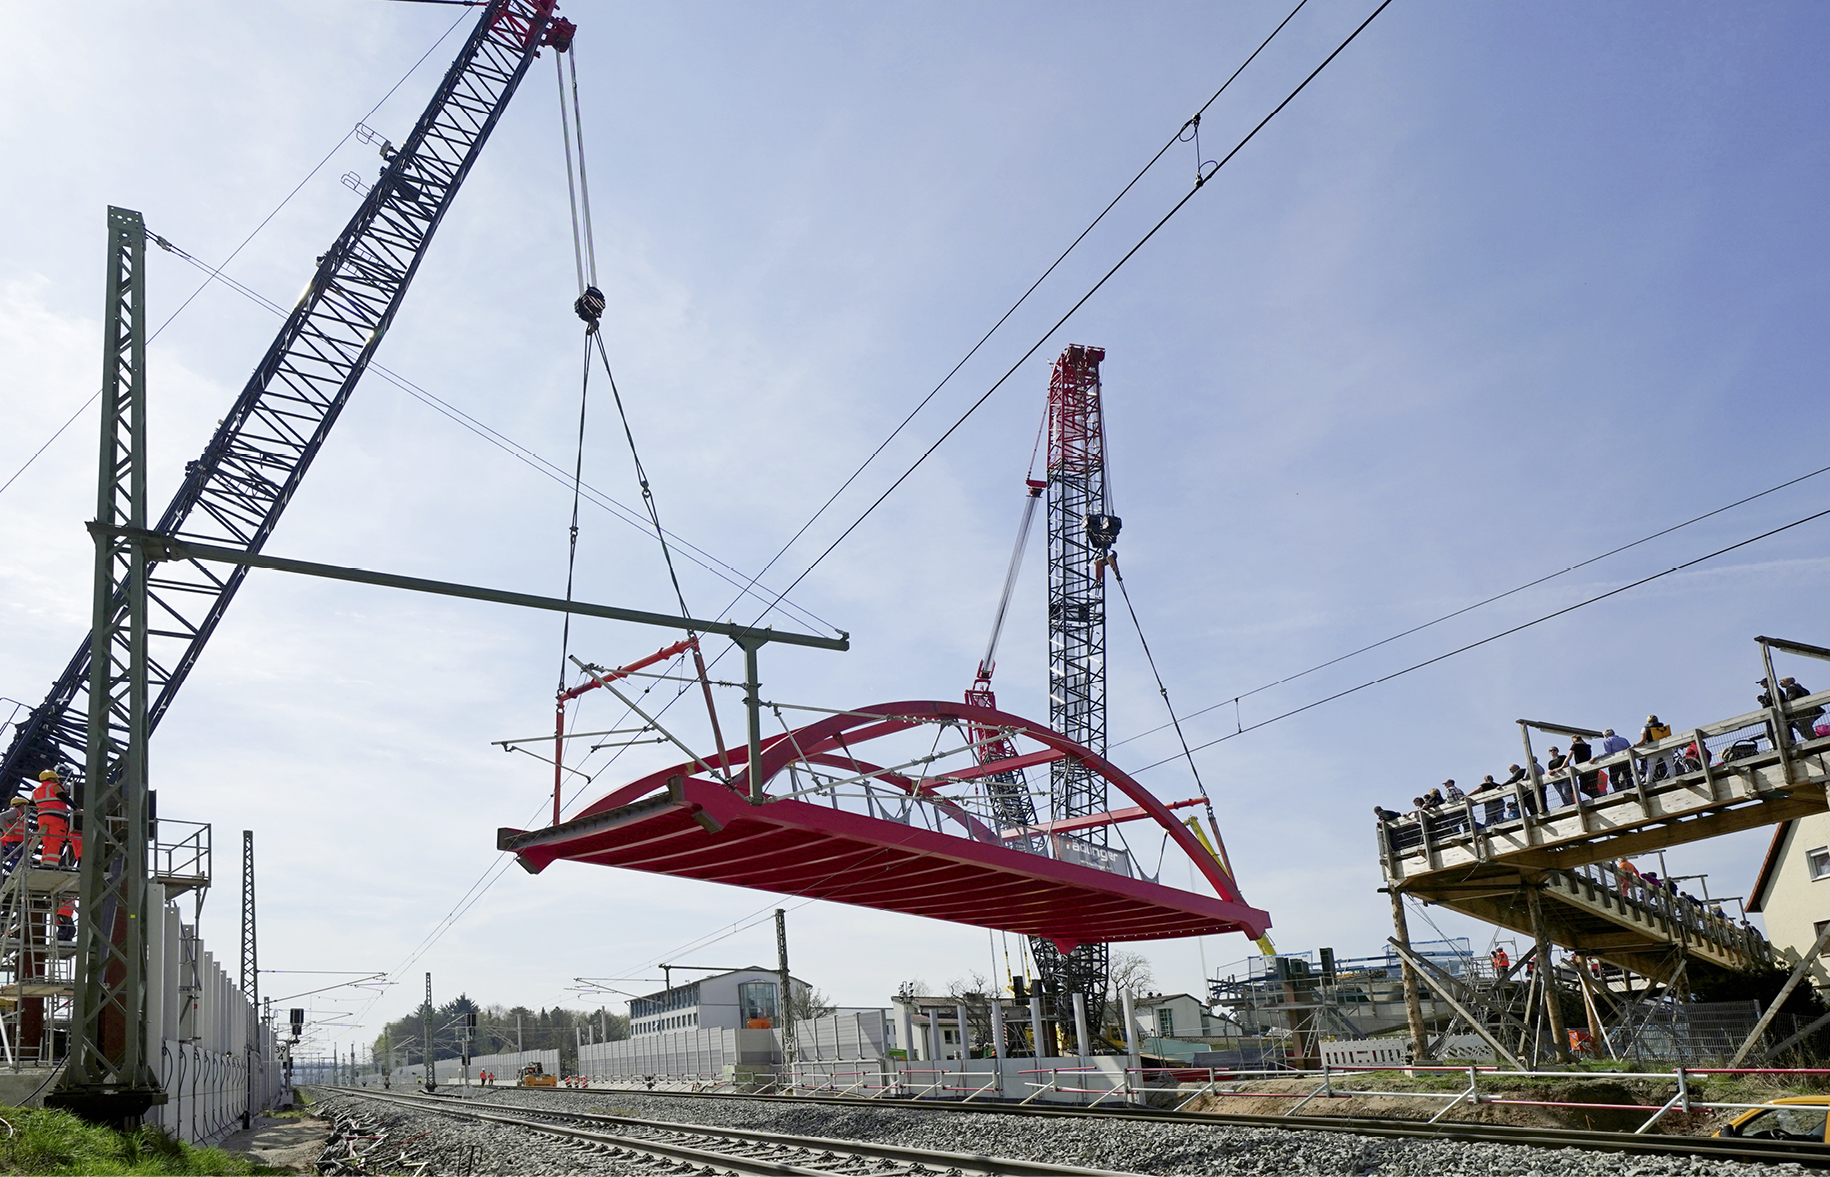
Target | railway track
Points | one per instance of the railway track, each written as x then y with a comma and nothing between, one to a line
726,1150
1723,1148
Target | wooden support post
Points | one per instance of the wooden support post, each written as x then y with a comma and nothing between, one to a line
1785,991
1413,1000
1553,1008
1597,1032
1445,993
1781,722
1537,779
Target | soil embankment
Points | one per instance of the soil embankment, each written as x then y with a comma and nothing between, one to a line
1596,1101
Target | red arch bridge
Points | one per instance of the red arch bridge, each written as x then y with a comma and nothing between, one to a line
847,814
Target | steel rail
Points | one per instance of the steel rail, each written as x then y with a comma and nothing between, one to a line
830,1155
1719,1148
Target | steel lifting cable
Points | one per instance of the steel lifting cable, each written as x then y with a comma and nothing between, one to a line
590,308
1212,821
578,470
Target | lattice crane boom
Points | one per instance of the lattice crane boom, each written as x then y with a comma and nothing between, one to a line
1081,531
236,491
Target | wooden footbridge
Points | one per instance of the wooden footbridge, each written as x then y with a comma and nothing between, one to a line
1555,837
1540,856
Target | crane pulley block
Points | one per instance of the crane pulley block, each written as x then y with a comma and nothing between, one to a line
1102,530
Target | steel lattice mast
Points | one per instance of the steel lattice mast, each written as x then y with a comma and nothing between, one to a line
235,492
1079,538
108,1075
150,622
250,972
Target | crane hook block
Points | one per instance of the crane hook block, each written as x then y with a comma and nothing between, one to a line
1102,530
590,306
559,34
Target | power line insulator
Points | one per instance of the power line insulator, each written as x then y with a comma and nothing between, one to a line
590,306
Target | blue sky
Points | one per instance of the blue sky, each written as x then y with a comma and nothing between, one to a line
1506,287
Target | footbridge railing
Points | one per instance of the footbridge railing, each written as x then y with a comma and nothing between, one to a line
1749,770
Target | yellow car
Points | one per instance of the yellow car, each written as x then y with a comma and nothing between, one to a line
1797,1117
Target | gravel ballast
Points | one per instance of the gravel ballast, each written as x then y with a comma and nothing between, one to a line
1142,1147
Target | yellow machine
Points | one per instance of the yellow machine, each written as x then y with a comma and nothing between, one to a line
1798,1117
532,1076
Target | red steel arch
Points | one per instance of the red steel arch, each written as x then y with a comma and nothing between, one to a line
681,821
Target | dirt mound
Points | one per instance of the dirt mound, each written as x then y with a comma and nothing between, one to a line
1600,1103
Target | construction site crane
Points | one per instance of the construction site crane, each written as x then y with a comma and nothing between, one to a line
150,622
1081,532
234,493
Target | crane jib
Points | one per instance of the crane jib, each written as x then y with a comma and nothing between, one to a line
234,494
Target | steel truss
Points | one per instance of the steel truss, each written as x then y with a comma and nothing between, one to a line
1076,645
235,492
109,1076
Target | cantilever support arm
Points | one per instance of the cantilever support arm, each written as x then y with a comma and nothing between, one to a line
159,546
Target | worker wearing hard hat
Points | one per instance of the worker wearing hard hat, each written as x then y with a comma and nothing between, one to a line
54,822
15,827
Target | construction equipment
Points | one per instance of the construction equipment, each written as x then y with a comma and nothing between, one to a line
152,618
534,1075
1081,532
234,493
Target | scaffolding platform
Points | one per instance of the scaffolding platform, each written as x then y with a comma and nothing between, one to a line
37,965
1559,835
905,845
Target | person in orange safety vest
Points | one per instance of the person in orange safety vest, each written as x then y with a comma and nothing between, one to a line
54,822
15,827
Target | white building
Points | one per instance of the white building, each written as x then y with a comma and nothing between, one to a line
1793,889
1179,1015
742,999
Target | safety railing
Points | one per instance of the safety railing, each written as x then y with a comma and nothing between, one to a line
1685,760
1661,901
1336,1083
179,853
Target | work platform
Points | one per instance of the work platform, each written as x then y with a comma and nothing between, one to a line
1558,836
38,909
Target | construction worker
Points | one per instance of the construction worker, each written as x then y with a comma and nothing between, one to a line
54,822
15,827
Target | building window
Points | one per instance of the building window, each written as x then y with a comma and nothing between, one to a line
1818,862
1817,930
1165,1023
949,1036
756,1003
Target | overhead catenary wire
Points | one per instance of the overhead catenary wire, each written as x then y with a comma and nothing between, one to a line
236,252
1533,583
1021,299
530,458
1201,179
1200,182
565,131
578,470
1524,625
484,882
